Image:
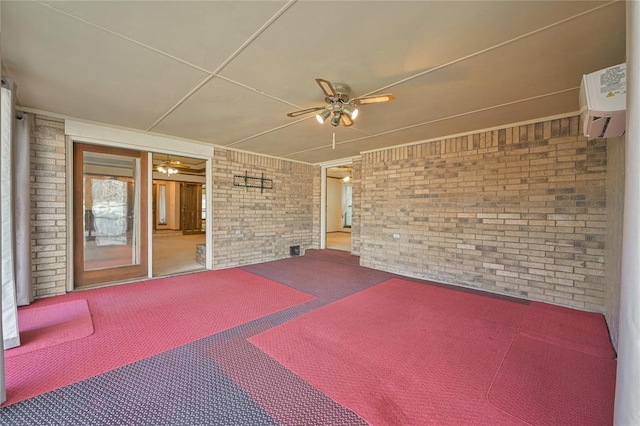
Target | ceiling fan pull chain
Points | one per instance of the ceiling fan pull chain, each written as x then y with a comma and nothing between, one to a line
334,141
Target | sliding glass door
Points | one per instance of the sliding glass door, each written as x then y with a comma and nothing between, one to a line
110,214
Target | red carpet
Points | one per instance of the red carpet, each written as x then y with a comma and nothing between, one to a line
52,325
581,331
135,321
400,353
408,353
547,384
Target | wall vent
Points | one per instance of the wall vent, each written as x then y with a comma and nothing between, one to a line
294,251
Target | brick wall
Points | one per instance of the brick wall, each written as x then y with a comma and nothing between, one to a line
48,208
269,223
356,200
252,227
316,200
519,211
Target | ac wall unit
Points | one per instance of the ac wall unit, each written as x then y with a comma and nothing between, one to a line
603,96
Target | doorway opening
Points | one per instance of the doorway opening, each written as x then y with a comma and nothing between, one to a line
339,208
179,215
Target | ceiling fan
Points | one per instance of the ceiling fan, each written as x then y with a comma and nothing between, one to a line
168,167
343,108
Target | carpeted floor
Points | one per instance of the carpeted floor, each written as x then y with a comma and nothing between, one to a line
52,325
402,352
223,378
136,321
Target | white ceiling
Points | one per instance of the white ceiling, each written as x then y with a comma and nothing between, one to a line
227,73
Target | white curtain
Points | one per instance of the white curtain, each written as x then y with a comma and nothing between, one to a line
162,205
10,331
3,387
15,215
347,190
22,208
109,211
136,213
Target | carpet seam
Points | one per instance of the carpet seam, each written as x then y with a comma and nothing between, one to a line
9,403
495,376
532,336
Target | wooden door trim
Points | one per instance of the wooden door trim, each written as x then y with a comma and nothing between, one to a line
103,276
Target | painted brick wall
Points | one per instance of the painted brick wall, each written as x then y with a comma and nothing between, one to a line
48,208
252,227
519,211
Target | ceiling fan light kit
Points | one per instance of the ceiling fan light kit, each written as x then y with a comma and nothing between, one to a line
351,110
167,168
343,109
323,115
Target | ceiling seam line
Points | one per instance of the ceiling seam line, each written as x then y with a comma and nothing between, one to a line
226,61
282,127
439,120
532,98
60,116
181,101
101,28
488,49
257,91
266,131
254,36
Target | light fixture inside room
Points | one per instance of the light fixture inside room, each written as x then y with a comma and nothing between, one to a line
167,168
341,105
351,110
336,118
339,110
346,179
323,115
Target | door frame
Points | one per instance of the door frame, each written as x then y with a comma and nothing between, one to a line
323,196
96,134
84,278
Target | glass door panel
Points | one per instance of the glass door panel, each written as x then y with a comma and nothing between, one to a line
110,214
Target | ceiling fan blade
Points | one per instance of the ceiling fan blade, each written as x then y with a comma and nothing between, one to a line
346,120
374,99
304,111
327,87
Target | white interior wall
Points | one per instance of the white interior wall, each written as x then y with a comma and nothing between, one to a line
334,205
627,409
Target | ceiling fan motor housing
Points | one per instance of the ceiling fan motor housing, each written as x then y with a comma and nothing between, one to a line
337,103
342,93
